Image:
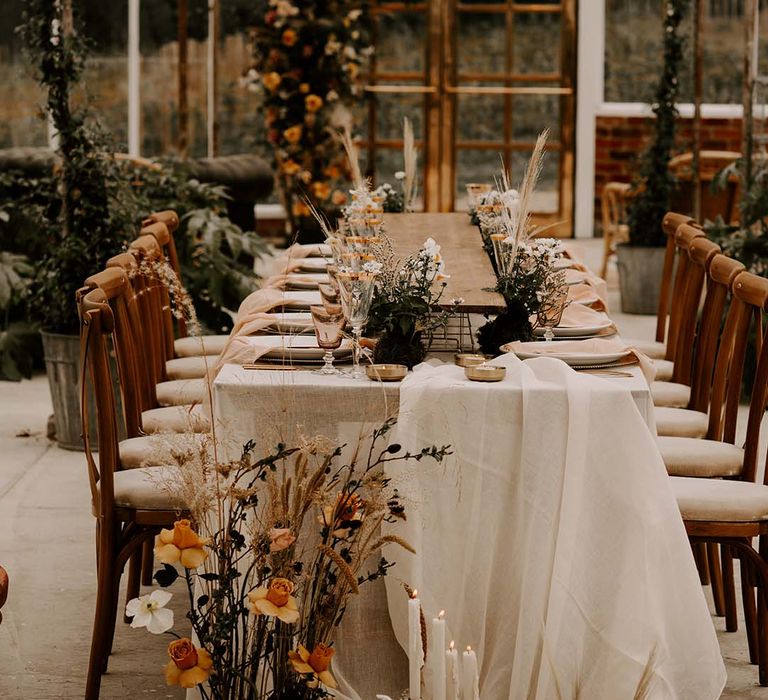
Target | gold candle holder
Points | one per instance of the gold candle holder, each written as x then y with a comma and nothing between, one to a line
469,359
485,373
386,373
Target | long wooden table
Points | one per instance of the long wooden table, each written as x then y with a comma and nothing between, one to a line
466,263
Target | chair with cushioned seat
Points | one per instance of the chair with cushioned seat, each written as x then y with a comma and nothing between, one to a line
733,511
129,505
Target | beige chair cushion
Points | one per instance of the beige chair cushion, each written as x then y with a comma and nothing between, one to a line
176,419
652,348
680,422
190,367
664,369
701,458
667,394
200,345
141,489
178,392
147,451
720,500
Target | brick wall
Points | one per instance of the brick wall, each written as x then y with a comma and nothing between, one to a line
620,141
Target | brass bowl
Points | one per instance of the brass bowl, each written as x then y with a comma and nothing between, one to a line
485,373
468,359
386,373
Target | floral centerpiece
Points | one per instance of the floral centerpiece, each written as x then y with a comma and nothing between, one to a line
278,546
307,60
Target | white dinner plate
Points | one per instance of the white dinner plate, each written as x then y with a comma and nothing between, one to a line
297,322
580,331
526,351
296,347
314,264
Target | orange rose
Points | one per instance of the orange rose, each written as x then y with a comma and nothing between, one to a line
339,198
272,81
188,666
291,167
317,664
275,601
313,103
304,88
292,134
321,190
290,37
181,544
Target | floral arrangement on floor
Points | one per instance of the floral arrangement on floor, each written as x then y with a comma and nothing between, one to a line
525,265
272,551
307,61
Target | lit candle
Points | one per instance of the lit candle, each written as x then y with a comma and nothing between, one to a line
415,648
438,656
452,659
470,681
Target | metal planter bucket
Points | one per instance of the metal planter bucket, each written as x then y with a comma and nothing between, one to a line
640,272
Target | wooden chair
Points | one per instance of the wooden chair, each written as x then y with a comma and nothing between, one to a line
733,510
613,201
3,589
714,203
128,505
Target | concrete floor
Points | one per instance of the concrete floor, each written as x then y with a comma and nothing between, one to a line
46,544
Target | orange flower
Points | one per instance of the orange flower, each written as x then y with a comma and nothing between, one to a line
272,81
290,37
333,172
291,167
300,209
313,103
275,601
292,134
338,198
317,664
181,544
188,666
321,190
352,69
347,508
304,88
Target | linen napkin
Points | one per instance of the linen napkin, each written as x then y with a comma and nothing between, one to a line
291,258
296,281
580,316
592,345
580,277
586,294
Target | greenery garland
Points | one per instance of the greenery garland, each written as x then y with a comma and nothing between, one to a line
655,182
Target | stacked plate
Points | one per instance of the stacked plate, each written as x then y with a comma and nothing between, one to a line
572,357
580,322
294,349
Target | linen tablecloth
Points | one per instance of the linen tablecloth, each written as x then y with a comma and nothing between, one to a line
551,538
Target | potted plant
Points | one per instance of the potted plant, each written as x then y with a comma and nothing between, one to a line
641,260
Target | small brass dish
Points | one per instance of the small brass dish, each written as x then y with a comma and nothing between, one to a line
468,359
485,373
386,373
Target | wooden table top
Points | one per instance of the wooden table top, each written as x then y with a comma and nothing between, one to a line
462,249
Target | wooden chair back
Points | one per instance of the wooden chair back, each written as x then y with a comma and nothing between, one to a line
671,222
749,299
722,202
679,282
721,273
697,252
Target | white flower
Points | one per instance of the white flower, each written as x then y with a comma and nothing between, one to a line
332,47
400,175
350,53
149,611
354,15
373,267
332,96
457,300
430,246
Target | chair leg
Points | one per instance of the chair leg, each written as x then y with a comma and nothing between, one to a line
750,610
134,584
729,589
700,557
716,578
762,635
147,562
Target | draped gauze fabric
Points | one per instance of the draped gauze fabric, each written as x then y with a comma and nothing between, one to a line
552,538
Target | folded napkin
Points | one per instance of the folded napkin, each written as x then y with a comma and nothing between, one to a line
291,258
592,345
580,316
586,294
296,281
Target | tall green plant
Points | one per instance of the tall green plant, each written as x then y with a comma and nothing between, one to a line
655,182
91,218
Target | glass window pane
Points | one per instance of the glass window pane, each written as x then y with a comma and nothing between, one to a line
546,196
536,42
480,118
474,166
481,42
533,113
401,42
390,111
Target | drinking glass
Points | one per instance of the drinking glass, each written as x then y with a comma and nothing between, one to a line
356,294
329,294
329,330
551,311
475,193
333,271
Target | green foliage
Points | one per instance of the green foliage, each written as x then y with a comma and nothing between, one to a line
654,183
19,341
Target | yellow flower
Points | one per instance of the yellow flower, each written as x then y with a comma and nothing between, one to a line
304,88
290,37
313,103
333,172
321,190
292,134
181,544
291,167
316,663
275,601
347,508
272,81
188,666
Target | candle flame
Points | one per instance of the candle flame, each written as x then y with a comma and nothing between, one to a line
469,648
414,594
451,645
441,614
